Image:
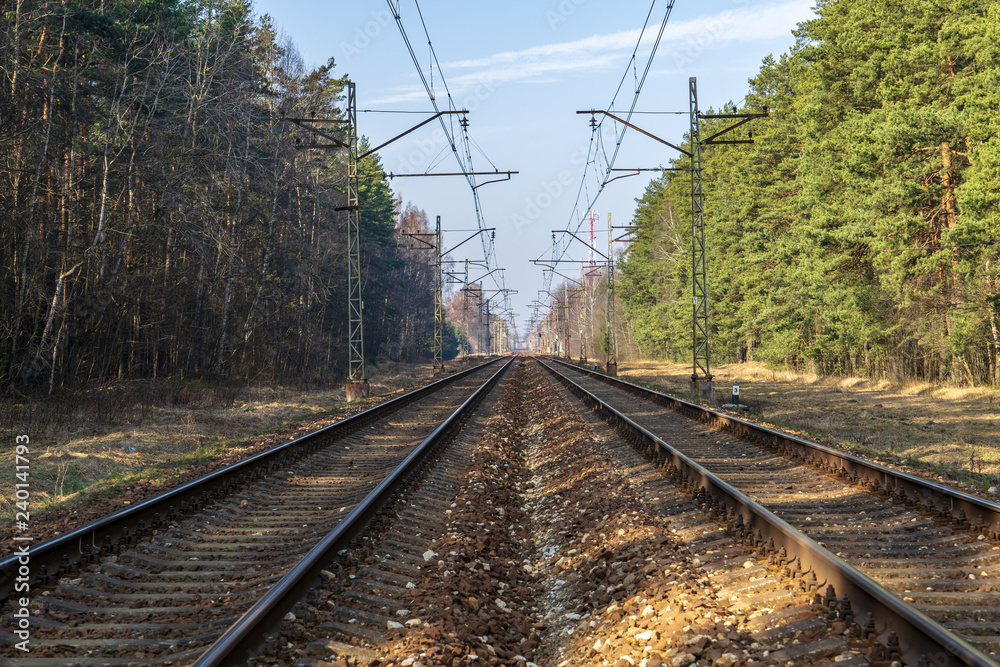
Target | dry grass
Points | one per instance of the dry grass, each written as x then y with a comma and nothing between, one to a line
91,441
947,431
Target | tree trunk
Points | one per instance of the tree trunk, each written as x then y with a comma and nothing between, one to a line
49,116
248,325
994,325
226,300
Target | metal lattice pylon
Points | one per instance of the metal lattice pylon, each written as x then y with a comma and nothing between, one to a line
612,352
699,281
438,301
355,303
467,338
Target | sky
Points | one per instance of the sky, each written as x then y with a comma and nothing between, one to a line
523,68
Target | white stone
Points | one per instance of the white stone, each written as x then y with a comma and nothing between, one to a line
410,584
428,555
413,622
748,564
408,662
289,616
645,636
393,625
402,612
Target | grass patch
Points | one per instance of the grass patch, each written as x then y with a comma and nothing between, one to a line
143,436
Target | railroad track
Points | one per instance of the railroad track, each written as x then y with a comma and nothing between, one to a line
758,598
205,582
366,595
932,551
365,605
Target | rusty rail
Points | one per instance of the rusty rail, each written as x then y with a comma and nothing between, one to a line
921,639
63,552
249,633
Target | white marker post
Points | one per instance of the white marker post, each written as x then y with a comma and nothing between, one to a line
736,395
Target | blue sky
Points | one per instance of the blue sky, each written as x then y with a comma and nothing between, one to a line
524,68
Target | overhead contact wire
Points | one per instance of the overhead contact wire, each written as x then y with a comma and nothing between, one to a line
447,127
619,136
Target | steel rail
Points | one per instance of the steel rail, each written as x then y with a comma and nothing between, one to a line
961,508
108,532
920,637
250,631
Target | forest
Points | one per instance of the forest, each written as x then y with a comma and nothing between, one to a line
858,233
160,218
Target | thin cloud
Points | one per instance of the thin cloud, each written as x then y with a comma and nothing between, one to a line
683,39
